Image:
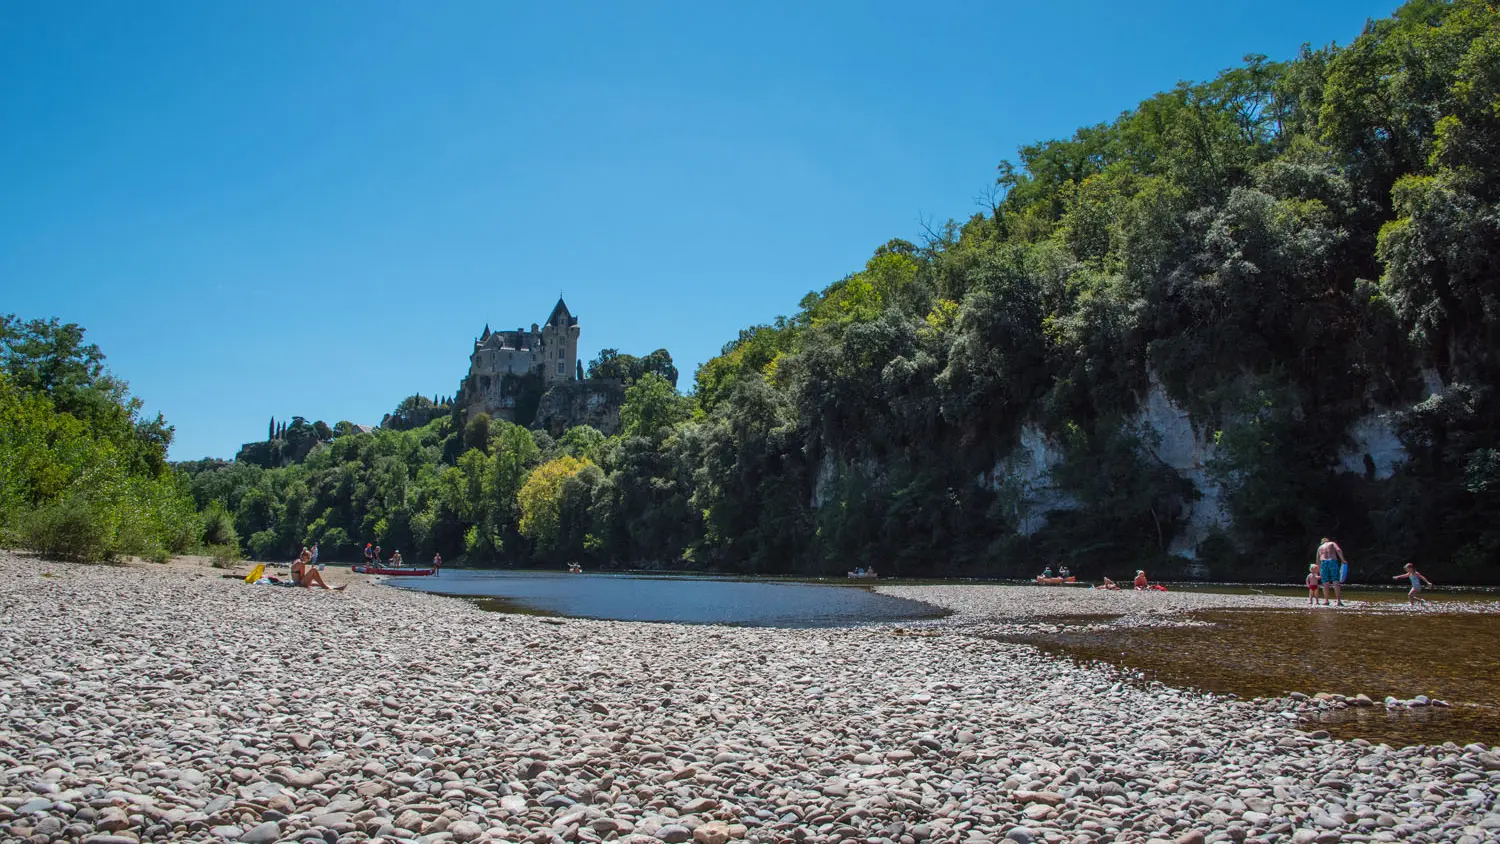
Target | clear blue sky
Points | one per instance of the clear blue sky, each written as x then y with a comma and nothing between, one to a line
312,208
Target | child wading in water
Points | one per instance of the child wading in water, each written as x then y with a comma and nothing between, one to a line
1312,585
1417,579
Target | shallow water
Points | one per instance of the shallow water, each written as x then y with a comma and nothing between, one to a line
1267,653
686,600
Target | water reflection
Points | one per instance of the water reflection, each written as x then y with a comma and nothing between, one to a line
687,600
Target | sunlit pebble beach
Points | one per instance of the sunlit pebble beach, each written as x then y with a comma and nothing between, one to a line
167,703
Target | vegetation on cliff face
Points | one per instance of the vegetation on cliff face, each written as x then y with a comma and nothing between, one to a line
82,475
1286,250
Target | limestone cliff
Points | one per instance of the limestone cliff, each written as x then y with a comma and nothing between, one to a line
595,402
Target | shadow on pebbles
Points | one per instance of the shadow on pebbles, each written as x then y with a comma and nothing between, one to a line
167,703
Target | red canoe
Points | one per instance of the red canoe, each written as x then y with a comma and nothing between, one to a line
401,572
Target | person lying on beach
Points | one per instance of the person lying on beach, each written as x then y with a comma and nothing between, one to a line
1416,584
1109,584
303,574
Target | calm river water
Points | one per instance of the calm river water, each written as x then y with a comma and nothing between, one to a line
688,600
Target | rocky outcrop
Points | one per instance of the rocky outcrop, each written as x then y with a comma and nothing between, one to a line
1171,438
1375,450
595,402
1027,475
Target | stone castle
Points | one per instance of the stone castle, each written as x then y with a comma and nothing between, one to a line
534,378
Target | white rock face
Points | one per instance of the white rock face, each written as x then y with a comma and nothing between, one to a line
1374,437
829,470
1028,471
1171,438
827,473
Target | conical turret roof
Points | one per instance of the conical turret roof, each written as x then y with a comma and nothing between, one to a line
561,316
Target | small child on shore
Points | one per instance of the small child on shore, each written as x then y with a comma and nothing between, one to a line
1312,585
1417,579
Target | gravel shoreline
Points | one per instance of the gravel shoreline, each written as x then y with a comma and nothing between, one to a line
167,703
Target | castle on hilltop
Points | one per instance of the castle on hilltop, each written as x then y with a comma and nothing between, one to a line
534,378
551,353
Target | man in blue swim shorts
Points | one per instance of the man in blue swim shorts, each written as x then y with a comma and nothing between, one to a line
1330,556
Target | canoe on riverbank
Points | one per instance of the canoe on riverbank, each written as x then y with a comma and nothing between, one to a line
396,572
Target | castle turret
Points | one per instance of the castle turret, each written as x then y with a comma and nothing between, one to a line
559,344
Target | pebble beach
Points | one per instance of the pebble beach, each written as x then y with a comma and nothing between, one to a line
168,703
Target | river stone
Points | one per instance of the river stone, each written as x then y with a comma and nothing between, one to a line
1050,798
1038,812
409,820
112,819
299,779
465,830
265,833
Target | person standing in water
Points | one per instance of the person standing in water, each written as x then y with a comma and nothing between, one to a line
1330,555
1416,584
1312,585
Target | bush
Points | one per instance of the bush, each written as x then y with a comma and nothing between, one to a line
223,556
218,526
69,529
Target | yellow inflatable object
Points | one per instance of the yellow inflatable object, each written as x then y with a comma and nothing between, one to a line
255,573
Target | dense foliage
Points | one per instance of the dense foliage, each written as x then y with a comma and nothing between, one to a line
1285,252
82,475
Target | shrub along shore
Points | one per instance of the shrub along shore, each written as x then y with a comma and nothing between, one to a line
169,703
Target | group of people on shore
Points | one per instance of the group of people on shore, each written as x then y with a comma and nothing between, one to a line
1141,584
1330,571
1328,574
374,557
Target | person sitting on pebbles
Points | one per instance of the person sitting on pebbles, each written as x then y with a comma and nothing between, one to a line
1140,579
303,574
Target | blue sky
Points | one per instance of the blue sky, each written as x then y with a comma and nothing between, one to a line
313,208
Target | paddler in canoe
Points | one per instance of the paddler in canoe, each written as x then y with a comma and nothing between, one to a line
1046,578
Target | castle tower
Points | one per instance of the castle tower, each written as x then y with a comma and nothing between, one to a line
559,345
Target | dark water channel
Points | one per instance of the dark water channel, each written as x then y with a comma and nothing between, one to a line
1267,653
685,600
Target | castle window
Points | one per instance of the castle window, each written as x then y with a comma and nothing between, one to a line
559,367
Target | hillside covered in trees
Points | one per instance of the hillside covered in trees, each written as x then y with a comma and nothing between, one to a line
1295,260
82,474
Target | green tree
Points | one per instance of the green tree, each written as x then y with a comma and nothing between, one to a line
652,407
